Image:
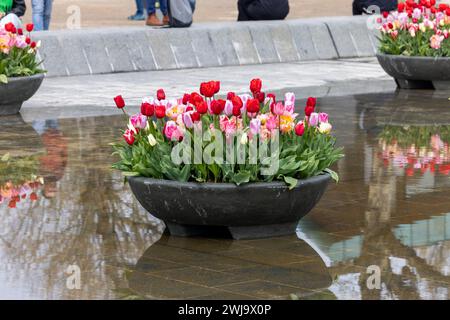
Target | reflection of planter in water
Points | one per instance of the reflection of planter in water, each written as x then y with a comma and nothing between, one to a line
16,91
255,210
417,72
19,138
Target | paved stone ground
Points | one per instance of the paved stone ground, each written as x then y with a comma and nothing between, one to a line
95,13
92,95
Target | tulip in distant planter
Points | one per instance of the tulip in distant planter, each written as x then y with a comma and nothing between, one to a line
415,45
243,167
20,75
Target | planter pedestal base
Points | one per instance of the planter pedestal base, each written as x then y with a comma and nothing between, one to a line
422,84
237,233
10,108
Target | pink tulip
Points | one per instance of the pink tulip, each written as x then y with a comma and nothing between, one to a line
323,117
278,108
289,102
138,121
313,119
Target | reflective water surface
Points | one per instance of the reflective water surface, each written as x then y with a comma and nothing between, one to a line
63,208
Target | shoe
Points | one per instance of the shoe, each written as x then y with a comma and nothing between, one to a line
137,17
166,20
153,21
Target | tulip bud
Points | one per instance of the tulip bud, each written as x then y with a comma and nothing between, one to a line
152,140
160,94
244,138
120,103
300,129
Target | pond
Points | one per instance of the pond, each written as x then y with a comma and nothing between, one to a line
61,206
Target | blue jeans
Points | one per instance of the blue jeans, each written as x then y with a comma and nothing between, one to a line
151,6
42,11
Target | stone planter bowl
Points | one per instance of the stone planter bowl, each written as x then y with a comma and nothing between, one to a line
417,72
254,210
16,91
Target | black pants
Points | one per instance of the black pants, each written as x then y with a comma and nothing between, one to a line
262,10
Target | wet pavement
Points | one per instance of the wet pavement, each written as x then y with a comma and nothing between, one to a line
62,206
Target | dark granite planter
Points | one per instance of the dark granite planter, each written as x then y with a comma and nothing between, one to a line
255,210
417,72
16,91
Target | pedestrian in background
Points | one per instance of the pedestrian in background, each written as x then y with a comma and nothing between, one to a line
140,14
42,12
262,9
10,11
150,7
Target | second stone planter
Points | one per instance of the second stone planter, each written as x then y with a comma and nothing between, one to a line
417,72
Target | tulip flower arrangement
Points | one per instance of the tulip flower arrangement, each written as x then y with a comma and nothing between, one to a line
304,147
17,52
416,149
18,179
417,28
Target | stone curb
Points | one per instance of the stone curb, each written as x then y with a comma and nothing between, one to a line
130,49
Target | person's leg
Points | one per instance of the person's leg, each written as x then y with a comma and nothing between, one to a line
11,18
140,14
151,6
38,14
47,13
152,20
163,7
139,7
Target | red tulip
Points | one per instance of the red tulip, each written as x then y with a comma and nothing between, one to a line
147,109
216,85
160,94
401,6
160,112
195,98
20,32
255,85
311,102
207,89
260,96
237,102
30,27
12,204
309,110
33,45
385,14
33,196
236,110
202,107
120,103
195,116
217,106
186,98
230,95
28,40
253,105
300,129
129,136
189,108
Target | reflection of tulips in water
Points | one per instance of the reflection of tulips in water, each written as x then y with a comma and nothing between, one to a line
416,149
14,194
18,180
